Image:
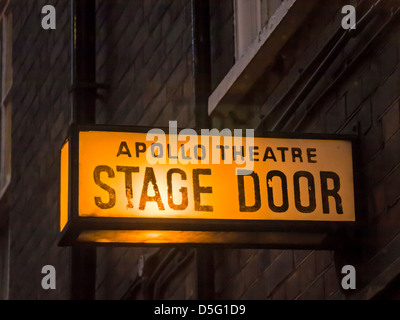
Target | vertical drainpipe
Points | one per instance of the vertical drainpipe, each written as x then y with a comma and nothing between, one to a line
83,111
201,54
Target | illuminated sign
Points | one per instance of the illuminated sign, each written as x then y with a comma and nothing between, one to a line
122,185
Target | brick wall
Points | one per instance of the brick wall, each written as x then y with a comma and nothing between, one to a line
40,117
275,274
364,102
144,57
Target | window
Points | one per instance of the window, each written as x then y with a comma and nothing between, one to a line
250,17
5,98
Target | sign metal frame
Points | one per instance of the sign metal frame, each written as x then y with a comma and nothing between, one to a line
251,233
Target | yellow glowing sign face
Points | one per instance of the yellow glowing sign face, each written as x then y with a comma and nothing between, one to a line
292,179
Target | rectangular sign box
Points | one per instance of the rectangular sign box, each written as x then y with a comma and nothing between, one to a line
148,186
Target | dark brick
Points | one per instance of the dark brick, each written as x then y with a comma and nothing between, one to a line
372,142
379,200
166,115
264,259
256,291
234,289
176,78
338,295
245,255
386,94
251,272
144,53
152,43
388,225
391,182
156,59
299,256
174,33
190,286
370,79
227,265
354,96
389,157
361,120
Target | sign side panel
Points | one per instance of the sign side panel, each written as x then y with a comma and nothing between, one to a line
64,175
